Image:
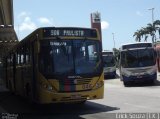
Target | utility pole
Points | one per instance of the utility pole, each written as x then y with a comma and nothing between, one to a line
113,40
153,37
152,9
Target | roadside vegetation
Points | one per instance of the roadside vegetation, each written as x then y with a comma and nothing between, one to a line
152,30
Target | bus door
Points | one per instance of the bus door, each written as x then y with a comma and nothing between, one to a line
34,69
14,72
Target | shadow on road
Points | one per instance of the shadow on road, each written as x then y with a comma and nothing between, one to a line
157,83
143,84
17,105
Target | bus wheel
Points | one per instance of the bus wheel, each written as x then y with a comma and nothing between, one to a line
27,89
81,102
151,82
114,76
125,83
10,86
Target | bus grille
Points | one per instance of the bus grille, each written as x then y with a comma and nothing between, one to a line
75,81
74,98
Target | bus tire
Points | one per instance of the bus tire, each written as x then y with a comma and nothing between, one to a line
81,102
152,82
125,83
114,76
10,86
27,89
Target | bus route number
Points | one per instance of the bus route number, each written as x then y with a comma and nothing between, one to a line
87,86
55,32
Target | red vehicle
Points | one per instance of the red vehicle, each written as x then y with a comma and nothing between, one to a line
158,56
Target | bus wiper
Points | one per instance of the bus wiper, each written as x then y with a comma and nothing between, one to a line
85,38
97,65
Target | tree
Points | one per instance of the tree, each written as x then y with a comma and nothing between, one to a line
145,33
156,24
137,34
151,30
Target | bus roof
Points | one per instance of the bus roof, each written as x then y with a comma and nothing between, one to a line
58,31
136,45
69,32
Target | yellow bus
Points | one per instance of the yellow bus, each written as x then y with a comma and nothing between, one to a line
57,64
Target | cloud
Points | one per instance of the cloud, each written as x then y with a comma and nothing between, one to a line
24,22
27,24
139,13
44,20
104,25
23,15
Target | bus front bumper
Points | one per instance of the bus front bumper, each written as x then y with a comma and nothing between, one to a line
46,97
141,78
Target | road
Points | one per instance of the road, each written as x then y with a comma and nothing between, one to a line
117,99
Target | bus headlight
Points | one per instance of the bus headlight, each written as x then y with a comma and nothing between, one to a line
152,71
99,84
48,87
44,85
112,69
127,74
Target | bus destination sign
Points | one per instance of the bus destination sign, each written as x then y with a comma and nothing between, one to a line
69,32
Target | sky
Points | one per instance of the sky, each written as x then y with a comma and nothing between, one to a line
119,18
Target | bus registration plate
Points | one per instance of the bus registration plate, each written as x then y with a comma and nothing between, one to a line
76,96
139,76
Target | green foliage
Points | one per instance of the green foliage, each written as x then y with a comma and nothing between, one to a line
150,29
116,53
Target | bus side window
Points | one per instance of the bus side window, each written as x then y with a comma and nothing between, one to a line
27,55
22,57
18,57
24,54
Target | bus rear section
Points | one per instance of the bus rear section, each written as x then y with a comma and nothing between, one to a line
109,63
138,63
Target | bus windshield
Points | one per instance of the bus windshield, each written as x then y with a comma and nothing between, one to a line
108,61
137,58
69,57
